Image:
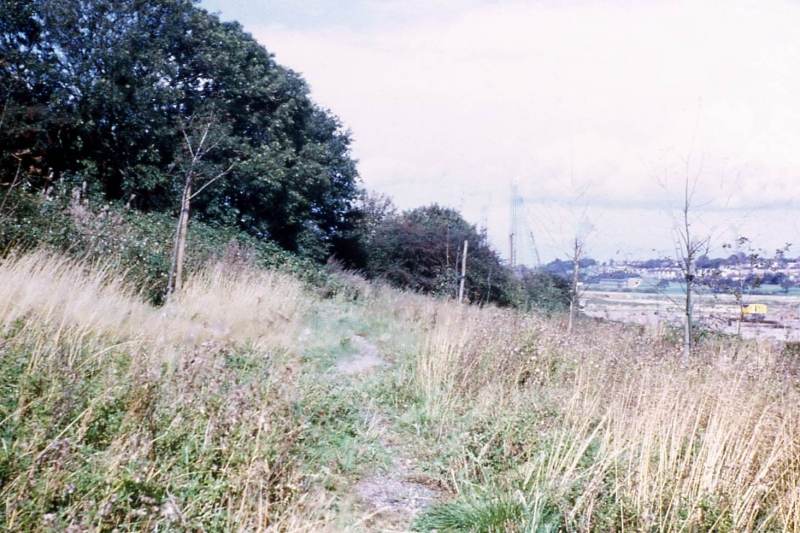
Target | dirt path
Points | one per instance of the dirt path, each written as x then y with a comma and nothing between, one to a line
392,497
366,359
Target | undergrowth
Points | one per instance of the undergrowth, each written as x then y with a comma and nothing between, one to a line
534,430
139,245
222,410
118,415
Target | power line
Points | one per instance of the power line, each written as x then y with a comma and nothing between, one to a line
515,231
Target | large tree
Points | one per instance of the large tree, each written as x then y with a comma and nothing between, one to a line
97,90
421,250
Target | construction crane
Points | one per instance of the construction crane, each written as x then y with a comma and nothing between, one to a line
519,217
517,206
535,248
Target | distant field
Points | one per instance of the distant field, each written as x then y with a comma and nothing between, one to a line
715,311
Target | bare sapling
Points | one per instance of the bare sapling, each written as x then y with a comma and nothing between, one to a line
689,248
744,280
197,145
574,288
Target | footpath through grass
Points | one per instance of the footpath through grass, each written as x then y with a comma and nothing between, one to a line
505,423
246,403
251,403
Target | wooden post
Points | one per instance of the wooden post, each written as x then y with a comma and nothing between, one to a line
574,296
463,273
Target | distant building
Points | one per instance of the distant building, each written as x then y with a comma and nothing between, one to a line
633,283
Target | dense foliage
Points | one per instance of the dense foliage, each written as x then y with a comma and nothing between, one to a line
101,92
564,268
104,99
421,249
542,291
138,244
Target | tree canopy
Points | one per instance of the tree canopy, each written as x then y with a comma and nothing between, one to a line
99,91
420,249
107,94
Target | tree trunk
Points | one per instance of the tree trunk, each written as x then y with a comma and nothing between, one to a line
741,315
179,250
687,330
691,251
184,225
463,273
573,300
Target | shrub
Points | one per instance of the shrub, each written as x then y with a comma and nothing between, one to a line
136,243
421,250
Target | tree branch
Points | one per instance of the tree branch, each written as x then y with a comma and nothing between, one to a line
13,184
212,180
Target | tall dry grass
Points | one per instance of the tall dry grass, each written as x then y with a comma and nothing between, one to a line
117,414
607,430
219,303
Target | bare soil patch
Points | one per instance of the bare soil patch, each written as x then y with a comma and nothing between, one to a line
395,497
366,359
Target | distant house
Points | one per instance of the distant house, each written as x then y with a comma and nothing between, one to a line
633,283
607,285
617,284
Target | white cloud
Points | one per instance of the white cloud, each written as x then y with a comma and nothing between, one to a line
450,105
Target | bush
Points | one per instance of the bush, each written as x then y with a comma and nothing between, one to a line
139,244
542,291
421,249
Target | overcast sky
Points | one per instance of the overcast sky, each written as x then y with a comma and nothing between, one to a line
596,109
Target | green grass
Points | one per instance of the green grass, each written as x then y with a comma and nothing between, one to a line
336,437
108,445
524,428
492,510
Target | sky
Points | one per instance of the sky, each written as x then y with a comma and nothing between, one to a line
596,111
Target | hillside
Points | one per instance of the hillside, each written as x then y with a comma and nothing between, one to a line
209,321
252,401
156,135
